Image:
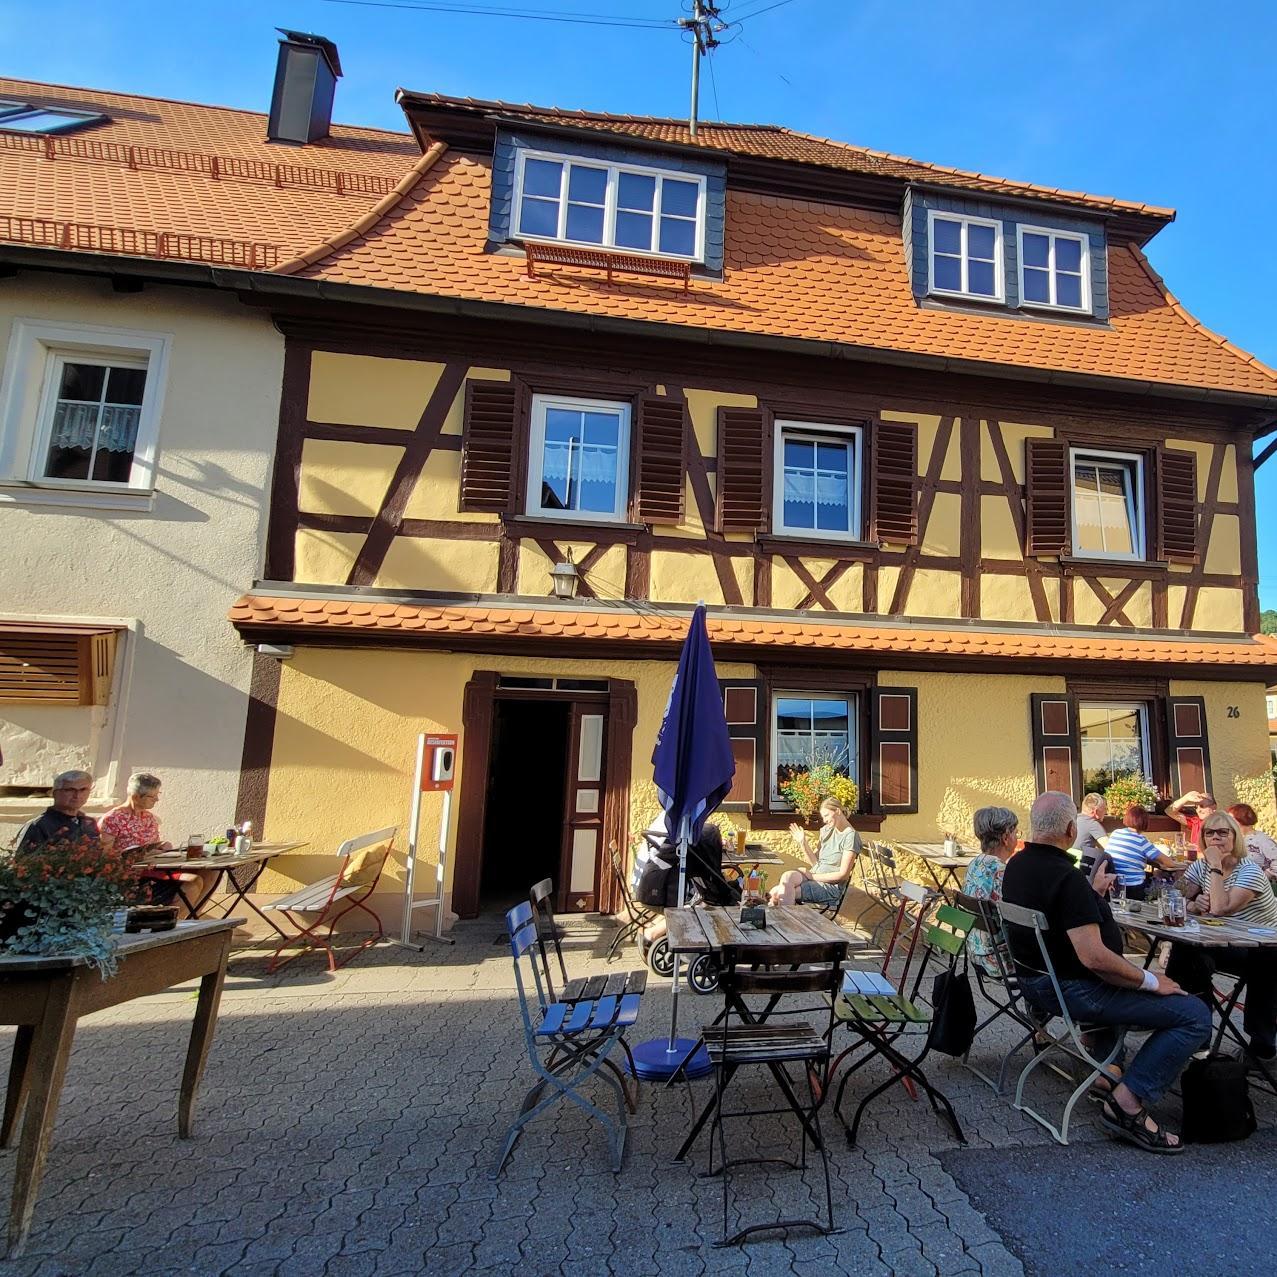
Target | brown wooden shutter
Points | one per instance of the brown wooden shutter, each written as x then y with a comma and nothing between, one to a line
1049,525
742,470
661,465
745,708
487,451
1189,761
893,766
43,667
893,460
1177,506
1057,760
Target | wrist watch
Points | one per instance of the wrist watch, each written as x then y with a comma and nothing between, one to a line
1214,870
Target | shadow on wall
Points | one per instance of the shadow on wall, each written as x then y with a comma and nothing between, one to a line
965,795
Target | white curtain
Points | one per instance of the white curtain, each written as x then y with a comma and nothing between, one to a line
75,425
591,463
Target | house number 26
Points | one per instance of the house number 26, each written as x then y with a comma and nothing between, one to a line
1234,712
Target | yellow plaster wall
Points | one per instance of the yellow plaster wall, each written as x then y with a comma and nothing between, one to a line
998,539
465,567
932,593
1013,437
943,533
607,576
325,558
684,578
362,390
788,589
702,407
1239,748
848,593
345,478
975,749
1203,452
928,426
1007,598
1218,609
1224,553
1087,608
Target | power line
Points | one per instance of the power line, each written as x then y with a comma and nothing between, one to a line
563,16
744,17
713,84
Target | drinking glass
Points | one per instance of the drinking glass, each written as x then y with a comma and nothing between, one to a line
1119,894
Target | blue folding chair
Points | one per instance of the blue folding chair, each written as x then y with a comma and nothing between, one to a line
567,1042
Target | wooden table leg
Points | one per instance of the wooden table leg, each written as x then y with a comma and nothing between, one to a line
46,1067
19,1081
201,1040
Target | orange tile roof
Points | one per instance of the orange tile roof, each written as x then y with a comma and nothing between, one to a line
78,188
773,141
365,619
796,269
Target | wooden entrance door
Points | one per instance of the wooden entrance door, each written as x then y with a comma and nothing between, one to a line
581,860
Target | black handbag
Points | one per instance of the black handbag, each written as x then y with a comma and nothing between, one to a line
953,1013
1217,1105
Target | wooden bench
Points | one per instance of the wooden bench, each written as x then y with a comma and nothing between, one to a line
328,901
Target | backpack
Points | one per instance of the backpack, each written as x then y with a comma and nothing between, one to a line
953,1022
1217,1105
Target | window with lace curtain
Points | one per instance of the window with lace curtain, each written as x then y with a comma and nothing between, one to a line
817,480
579,463
79,414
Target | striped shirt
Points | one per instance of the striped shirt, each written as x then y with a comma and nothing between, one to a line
1261,911
1130,851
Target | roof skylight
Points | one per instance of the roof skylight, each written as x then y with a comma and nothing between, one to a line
26,117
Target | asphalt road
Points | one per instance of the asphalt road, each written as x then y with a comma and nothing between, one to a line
1109,1208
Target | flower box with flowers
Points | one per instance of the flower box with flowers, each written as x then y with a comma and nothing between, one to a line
61,899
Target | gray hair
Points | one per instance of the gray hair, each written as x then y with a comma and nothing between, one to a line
63,779
1093,802
1051,815
143,783
991,823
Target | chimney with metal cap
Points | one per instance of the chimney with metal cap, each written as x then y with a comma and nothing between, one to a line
306,75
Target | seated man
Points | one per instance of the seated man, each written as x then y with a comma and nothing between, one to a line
63,822
1203,805
1099,985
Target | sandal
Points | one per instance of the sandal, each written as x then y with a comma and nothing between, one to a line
1132,1128
1103,1085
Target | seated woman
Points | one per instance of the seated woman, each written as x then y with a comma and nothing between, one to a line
1259,846
658,884
1130,851
133,824
1223,882
997,828
831,860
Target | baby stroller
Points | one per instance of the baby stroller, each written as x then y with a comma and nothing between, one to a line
657,887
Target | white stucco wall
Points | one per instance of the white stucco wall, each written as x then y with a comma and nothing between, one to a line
171,572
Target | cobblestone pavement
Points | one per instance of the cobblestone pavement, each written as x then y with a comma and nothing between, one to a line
346,1125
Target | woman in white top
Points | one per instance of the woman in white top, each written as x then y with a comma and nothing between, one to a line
831,860
1225,883
1259,846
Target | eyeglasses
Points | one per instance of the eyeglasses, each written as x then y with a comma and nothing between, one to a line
1217,833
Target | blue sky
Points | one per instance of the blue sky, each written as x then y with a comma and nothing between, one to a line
1168,102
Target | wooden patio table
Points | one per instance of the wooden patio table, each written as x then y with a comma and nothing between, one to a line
943,866
45,997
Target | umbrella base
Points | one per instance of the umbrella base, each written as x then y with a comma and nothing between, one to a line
655,1062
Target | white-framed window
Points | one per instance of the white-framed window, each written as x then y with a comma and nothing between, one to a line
1108,504
1055,269
810,728
816,487
578,465
628,208
79,414
1114,737
966,256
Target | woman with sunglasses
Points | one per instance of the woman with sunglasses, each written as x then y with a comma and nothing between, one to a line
1225,883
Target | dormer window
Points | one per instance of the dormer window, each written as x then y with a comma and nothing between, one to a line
611,206
1055,269
966,256
23,117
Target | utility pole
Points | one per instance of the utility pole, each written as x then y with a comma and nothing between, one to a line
702,24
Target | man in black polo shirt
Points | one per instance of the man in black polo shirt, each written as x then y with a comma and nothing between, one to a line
62,822
1099,985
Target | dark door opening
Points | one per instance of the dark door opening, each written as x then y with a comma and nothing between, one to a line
524,809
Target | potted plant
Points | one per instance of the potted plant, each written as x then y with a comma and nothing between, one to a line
62,897
805,790
1127,788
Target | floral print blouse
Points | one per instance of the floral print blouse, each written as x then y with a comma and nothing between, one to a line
984,881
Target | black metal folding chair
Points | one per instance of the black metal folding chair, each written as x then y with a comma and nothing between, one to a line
739,1039
1000,988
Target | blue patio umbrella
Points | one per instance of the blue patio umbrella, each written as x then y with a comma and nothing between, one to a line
693,767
